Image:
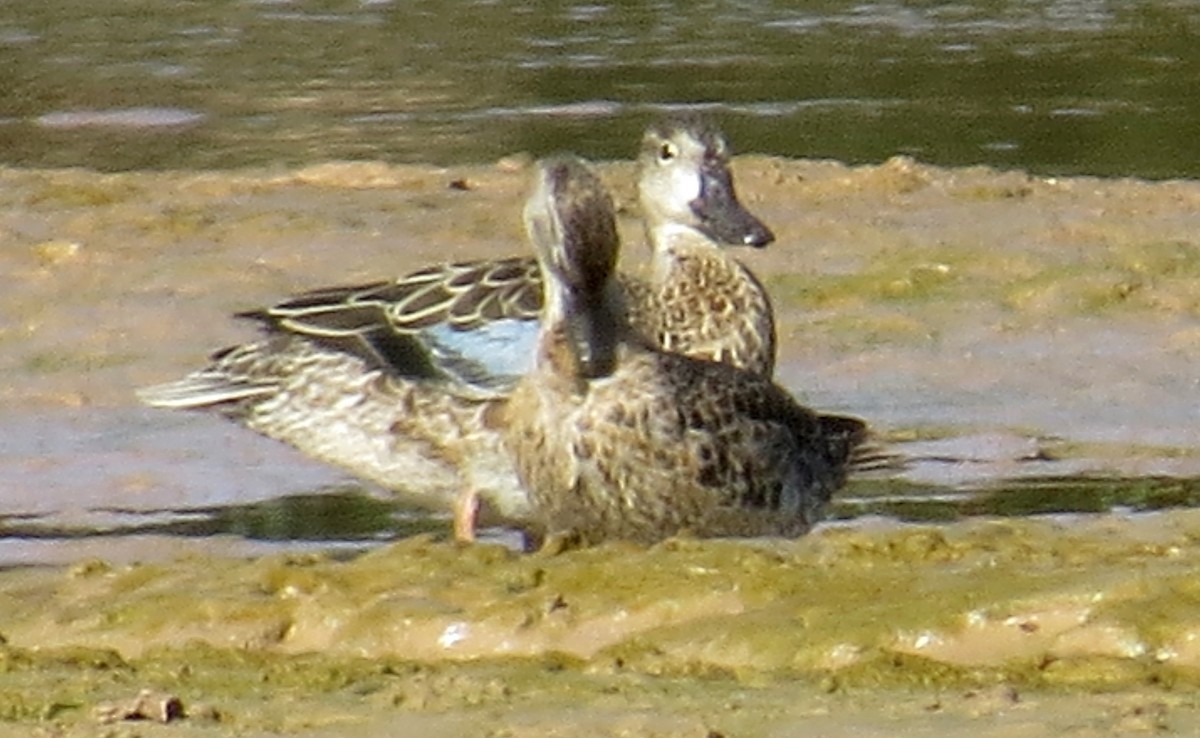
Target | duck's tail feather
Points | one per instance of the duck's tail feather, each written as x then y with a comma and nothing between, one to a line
203,389
843,434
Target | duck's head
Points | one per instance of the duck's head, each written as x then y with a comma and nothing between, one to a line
685,182
572,224
570,220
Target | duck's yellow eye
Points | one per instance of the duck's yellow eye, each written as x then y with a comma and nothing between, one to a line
667,152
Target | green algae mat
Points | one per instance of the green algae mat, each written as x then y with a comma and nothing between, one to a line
977,618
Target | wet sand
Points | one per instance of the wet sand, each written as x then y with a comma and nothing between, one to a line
999,324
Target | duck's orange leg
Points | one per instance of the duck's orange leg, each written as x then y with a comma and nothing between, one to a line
466,515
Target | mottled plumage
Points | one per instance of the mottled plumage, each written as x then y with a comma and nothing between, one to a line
615,438
396,381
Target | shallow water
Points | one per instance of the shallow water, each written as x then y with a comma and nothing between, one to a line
145,485
1049,86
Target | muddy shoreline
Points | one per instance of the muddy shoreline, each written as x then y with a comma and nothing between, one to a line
916,296
1027,325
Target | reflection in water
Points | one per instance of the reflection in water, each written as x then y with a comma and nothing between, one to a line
350,515
1052,86
1016,498
337,514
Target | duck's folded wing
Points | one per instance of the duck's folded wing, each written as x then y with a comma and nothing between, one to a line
472,322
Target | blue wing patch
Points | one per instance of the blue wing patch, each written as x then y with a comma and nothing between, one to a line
491,357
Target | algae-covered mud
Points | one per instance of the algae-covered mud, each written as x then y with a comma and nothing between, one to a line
1028,343
1011,628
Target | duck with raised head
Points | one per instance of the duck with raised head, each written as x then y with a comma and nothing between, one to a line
615,438
470,320
398,382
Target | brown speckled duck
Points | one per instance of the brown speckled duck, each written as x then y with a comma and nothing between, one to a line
398,382
616,439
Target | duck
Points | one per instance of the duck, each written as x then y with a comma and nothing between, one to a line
401,382
615,438
698,299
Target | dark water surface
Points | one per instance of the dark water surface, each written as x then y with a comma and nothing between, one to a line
1056,87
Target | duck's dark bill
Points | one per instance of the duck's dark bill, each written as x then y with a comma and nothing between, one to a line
721,216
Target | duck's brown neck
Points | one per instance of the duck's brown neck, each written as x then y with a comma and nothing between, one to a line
580,340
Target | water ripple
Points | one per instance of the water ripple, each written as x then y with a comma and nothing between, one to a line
120,118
